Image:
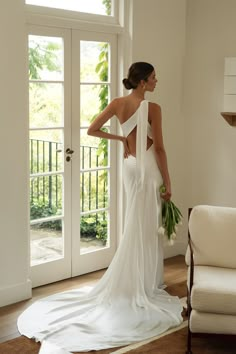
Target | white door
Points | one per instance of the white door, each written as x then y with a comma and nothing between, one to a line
72,209
94,164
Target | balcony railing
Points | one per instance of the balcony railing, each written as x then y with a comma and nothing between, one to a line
44,159
46,189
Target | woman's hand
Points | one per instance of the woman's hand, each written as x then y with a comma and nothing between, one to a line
126,147
165,192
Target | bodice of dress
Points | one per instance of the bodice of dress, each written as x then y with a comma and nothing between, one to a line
131,123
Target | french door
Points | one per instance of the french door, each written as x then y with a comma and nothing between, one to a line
72,210
93,204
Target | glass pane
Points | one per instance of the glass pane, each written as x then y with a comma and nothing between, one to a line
94,190
46,151
45,196
46,242
93,151
94,61
46,104
99,7
45,58
94,231
93,99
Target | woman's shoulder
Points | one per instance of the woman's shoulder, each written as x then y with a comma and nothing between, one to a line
154,109
119,105
153,105
117,102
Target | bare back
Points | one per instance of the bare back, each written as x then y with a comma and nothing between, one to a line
125,108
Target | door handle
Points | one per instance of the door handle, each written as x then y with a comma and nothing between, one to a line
69,151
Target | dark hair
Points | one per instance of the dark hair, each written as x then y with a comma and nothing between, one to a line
137,72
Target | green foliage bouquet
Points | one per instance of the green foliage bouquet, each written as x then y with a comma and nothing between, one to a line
171,218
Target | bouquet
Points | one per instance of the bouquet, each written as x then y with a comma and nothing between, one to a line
171,218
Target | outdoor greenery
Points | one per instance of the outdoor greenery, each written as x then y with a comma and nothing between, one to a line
42,55
91,225
41,210
107,4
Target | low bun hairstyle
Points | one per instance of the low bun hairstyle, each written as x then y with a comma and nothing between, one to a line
138,71
127,84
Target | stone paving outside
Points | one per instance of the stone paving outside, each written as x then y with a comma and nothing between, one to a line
48,246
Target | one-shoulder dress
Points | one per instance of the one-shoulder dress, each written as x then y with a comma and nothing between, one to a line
128,304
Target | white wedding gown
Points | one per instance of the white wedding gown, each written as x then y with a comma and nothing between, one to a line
128,303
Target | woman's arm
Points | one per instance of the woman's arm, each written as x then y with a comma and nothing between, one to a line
102,118
160,153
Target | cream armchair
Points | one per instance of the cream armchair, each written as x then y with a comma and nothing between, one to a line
211,260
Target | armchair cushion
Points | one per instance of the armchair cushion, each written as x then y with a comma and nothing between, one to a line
210,227
214,290
202,322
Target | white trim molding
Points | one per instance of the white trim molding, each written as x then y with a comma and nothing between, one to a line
179,248
15,293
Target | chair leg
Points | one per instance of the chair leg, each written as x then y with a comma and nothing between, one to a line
189,343
189,340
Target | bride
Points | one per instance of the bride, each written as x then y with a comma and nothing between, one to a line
128,304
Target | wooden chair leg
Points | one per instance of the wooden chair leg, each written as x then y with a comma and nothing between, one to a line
189,343
189,339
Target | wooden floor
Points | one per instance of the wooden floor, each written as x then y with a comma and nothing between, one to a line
175,272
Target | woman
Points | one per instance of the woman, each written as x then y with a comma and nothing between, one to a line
128,304
141,78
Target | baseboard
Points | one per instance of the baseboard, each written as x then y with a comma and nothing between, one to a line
179,248
15,293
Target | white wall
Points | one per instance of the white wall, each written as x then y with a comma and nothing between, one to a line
210,142
159,30
14,269
200,144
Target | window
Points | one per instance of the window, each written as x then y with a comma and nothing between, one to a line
98,7
95,160
46,98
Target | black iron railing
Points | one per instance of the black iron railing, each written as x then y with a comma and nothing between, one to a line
46,158
46,190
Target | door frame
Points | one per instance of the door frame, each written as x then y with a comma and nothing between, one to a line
73,263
